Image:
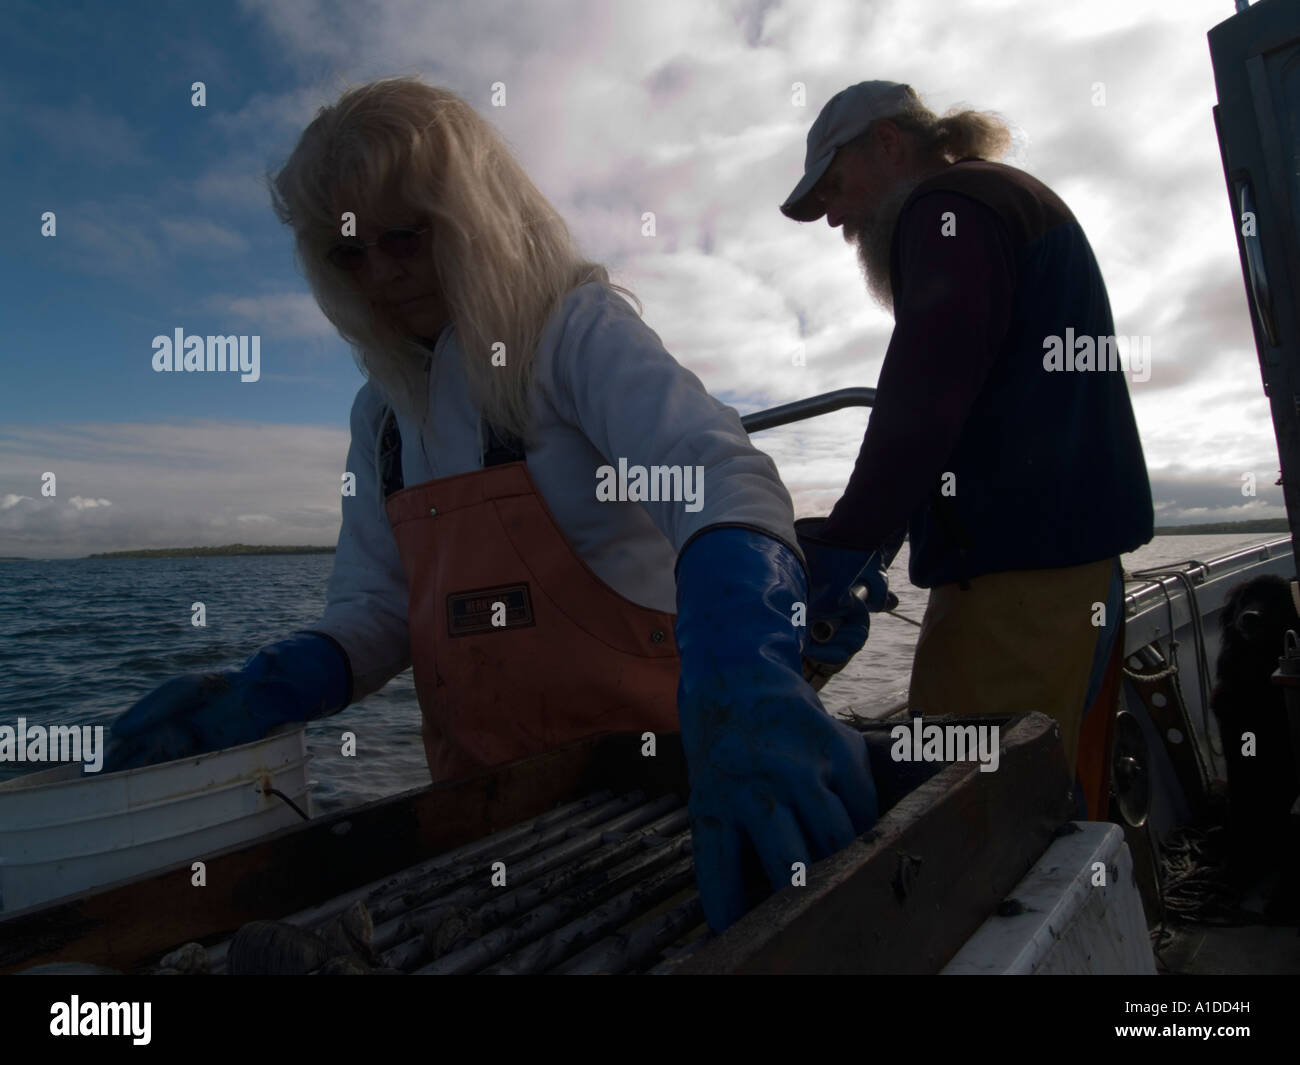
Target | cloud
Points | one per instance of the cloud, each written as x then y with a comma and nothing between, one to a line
203,236
287,314
243,188
82,132
268,119
118,239
310,28
127,238
1184,495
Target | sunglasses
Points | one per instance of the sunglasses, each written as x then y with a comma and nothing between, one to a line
401,243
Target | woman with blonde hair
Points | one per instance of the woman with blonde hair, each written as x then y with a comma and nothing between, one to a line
507,379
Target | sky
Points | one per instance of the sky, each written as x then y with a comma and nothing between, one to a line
685,108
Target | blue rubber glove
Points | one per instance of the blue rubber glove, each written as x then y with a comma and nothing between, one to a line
845,587
298,679
766,762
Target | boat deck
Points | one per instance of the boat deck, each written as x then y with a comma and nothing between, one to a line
1208,950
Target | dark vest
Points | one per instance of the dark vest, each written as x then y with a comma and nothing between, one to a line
1049,468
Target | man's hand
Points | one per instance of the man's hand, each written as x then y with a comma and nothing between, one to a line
845,587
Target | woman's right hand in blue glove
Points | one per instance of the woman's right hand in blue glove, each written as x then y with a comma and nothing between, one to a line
298,679
186,716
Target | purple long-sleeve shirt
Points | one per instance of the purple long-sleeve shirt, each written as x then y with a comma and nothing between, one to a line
952,308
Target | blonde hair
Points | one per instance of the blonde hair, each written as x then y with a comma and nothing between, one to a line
503,256
957,135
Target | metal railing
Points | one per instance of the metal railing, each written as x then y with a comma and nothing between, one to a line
808,408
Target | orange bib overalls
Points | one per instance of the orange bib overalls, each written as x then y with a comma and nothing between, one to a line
516,645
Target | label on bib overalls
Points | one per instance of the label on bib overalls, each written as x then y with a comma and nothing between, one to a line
489,610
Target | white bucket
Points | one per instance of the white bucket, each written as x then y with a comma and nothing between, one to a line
64,832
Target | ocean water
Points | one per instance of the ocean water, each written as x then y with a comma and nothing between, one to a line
81,640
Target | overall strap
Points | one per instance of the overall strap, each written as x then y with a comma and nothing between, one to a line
499,447
390,454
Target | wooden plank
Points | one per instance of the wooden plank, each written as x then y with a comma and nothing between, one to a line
906,896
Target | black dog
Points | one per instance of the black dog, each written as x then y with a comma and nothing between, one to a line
1262,787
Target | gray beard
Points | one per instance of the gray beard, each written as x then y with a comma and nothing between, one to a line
874,240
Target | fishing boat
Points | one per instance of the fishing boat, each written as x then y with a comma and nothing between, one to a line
965,872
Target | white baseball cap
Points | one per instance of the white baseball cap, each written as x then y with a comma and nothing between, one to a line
848,113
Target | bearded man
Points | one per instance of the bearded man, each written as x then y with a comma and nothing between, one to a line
1019,484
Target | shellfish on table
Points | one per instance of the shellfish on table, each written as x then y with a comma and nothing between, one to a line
342,946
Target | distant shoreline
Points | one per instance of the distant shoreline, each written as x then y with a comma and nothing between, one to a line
1260,525
204,552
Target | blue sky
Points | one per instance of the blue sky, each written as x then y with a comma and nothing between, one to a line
161,219
680,107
